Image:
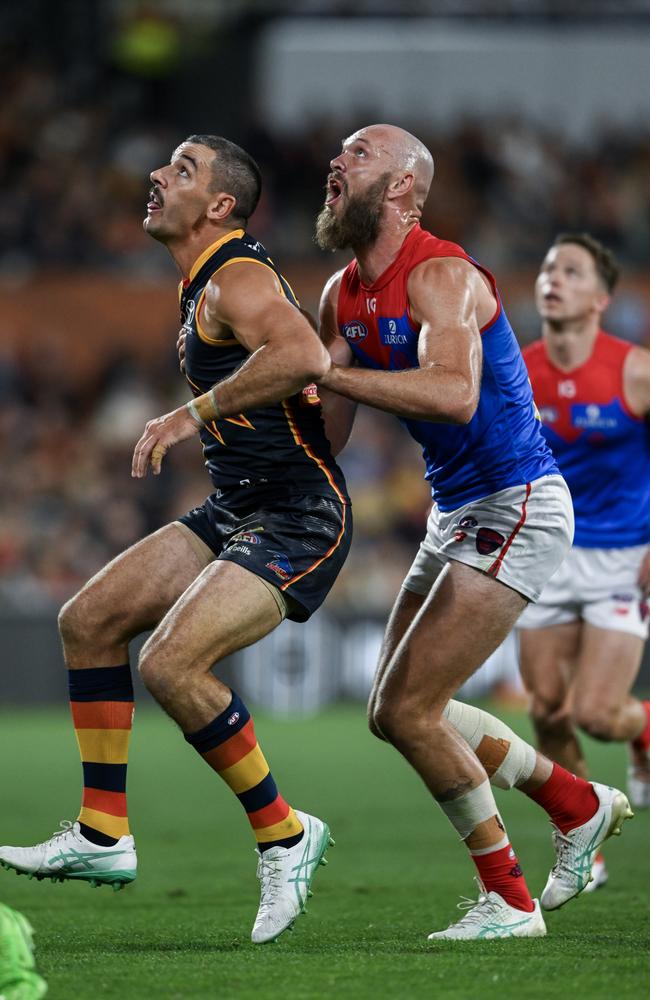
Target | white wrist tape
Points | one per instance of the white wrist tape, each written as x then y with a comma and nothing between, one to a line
194,413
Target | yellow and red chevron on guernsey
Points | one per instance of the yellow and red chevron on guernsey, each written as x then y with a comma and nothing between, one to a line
229,745
101,700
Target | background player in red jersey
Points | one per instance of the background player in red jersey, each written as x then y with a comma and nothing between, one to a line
415,327
267,543
581,644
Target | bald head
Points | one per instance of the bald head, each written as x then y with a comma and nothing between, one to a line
406,152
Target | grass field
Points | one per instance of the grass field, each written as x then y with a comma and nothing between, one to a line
182,930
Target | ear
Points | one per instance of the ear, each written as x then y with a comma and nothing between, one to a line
221,206
602,301
400,186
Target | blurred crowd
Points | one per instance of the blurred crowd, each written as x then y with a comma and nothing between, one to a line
74,169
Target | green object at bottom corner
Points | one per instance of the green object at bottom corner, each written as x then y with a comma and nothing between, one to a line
18,977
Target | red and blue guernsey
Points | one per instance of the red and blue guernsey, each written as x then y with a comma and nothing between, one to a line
502,445
602,448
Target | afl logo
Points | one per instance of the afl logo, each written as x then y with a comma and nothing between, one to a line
189,315
355,331
233,719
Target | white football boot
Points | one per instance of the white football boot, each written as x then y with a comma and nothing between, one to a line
490,917
285,875
599,875
68,855
575,851
638,778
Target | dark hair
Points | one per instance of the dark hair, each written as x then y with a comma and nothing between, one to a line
233,171
604,260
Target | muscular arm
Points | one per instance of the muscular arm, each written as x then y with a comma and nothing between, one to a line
338,412
286,354
450,301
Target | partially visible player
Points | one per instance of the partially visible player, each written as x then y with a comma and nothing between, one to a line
19,979
266,544
582,642
416,327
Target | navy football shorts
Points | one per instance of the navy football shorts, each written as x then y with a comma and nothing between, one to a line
296,542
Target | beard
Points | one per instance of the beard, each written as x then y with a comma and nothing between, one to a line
359,220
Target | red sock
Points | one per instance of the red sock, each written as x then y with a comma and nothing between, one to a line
642,742
499,871
570,801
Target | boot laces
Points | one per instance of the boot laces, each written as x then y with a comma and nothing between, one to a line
269,872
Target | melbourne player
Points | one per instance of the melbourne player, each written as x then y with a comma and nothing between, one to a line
267,543
416,327
581,644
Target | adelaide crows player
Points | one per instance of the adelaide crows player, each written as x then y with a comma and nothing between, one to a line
267,543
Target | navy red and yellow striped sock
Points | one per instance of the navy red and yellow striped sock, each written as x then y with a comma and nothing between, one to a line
229,745
101,699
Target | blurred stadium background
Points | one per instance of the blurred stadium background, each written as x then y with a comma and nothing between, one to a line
538,116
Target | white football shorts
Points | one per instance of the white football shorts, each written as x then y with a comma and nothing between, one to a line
519,536
598,586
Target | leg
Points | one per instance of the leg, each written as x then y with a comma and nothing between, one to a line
404,611
130,594
226,608
608,664
432,659
548,657
434,656
603,706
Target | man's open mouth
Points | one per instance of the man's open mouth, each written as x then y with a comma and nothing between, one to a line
334,189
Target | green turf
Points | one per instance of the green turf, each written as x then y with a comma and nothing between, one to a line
182,930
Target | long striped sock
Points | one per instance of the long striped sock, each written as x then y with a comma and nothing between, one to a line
101,699
229,745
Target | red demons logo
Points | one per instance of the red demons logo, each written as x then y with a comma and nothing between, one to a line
488,540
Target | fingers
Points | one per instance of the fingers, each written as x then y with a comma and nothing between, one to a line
180,347
157,454
147,450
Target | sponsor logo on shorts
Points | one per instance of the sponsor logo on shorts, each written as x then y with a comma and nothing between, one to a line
244,549
355,331
623,597
280,566
249,537
488,540
468,522
460,536
621,611
233,718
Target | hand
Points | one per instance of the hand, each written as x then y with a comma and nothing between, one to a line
180,347
159,435
329,380
643,579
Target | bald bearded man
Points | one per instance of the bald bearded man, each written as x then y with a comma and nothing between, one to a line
415,327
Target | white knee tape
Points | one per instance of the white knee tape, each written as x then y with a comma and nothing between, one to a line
466,812
508,760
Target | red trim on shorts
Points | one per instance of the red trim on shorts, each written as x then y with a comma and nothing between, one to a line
496,565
